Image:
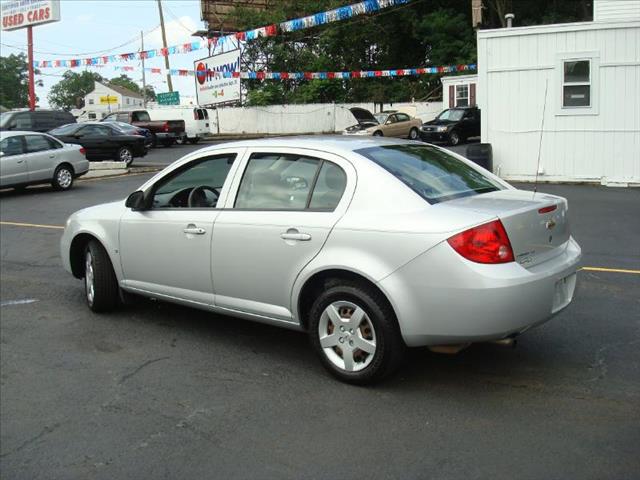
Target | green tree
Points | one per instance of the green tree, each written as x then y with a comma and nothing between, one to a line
14,91
126,82
150,93
69,92
429,33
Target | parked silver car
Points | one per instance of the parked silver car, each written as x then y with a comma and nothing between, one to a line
368,244
29,158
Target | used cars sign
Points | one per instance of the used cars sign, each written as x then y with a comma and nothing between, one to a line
24,13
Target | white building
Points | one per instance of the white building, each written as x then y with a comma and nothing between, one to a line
108,98
459,91
584,77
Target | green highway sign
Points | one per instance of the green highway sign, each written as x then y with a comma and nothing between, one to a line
169,98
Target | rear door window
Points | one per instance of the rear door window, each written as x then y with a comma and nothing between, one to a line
274,181
433,174
23,121
36,143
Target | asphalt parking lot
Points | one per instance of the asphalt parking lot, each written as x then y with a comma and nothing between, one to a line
160,391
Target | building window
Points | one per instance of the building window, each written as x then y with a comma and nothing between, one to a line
91,101
127,100
576,83
577,75
462,95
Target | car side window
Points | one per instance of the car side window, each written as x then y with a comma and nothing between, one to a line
329,187
53,144
122,117
402,117
196,186
95,131
274,181
36,143
12,146
392,119
23,121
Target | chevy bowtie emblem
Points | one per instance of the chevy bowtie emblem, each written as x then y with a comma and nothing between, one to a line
550,224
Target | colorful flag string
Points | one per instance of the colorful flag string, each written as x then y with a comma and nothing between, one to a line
230,41
400,72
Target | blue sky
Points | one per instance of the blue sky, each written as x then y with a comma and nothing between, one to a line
100,27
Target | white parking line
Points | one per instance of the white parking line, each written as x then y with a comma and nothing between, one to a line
18,302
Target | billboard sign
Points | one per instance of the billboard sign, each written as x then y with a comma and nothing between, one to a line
25,13
210,89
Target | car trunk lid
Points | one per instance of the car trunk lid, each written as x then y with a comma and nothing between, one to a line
537,224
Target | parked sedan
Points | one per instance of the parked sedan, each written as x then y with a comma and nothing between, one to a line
29,158
133,130
103,141
370,245
452,126
384,124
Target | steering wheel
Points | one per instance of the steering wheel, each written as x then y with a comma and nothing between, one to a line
197,197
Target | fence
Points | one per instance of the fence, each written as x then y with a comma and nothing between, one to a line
312,118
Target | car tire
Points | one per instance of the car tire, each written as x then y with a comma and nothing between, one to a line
454,138
414,134
62,177
338,345
125,155
194,140
154,140
101,285
378,133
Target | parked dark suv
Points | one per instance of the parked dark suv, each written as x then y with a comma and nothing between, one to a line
453,126
36,121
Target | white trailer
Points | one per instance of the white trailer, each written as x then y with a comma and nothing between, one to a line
590,72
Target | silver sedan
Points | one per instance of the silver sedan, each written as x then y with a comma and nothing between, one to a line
370,245
29,158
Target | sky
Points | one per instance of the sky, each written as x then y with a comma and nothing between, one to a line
91,28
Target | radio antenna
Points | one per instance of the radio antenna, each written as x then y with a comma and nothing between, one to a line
544,109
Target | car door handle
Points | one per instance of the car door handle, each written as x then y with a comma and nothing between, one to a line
193,230
300,237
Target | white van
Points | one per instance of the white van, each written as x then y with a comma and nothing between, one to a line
196,120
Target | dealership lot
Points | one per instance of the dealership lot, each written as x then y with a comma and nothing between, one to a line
160,391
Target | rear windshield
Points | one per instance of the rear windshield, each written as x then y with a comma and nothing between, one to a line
433,174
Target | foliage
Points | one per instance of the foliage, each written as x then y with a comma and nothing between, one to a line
69,92
126,82
14,90
422,33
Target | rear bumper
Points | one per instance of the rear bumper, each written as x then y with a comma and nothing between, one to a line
166,136
441,298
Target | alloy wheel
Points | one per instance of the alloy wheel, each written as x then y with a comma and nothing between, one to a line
64,178
89,278
126,156
347,336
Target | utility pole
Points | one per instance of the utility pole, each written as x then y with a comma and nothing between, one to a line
144,81
31,87
164,43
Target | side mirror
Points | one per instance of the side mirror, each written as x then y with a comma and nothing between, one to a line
136,201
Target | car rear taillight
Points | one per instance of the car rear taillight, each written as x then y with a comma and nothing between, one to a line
165,127
488,243
83,151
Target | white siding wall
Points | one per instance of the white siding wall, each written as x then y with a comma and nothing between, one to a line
459,80
514,66
314,118
616,10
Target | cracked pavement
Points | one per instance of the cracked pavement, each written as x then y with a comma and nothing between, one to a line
161,391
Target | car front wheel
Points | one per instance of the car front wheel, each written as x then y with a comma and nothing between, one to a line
101,284
454,138
378,133
413,134
354,331
62,178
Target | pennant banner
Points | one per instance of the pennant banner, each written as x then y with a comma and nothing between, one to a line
230,41
402,72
